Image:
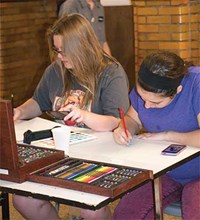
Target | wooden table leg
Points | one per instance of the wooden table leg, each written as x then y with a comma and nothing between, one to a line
158,198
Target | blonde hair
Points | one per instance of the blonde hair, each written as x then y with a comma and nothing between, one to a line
81,46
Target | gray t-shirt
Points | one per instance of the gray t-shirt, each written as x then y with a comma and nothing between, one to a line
112,91
95,17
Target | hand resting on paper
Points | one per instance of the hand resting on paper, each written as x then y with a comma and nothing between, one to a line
161,136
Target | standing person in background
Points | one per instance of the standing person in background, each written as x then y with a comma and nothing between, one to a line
93,11
82,79
59,3
166,103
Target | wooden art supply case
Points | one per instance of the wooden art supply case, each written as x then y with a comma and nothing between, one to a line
20,159
49,166
90,176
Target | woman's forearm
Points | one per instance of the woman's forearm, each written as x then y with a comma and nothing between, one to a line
189,138
132,126
29,109
100,122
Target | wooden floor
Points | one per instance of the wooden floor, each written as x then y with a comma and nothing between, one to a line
64,213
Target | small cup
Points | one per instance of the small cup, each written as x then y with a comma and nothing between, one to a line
61,137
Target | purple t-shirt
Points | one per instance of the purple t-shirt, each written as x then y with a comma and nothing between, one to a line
180,115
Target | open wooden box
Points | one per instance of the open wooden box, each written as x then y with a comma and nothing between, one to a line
20,159
53,168
90,176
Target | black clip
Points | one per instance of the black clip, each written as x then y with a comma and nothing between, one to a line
30,136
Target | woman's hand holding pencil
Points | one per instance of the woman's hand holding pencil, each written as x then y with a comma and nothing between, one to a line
121,134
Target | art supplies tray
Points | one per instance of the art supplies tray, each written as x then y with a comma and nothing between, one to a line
18,160
49,166
90,176
29,158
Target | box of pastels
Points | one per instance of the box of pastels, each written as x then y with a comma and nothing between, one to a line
18,160
90,176
50,166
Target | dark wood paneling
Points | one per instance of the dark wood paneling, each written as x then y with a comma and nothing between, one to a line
120,36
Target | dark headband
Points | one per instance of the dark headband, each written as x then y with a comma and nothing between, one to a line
156,81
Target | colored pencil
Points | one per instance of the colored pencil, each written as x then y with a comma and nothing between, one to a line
123,121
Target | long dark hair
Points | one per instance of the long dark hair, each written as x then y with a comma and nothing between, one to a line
166,65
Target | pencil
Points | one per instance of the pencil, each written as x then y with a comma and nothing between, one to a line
123,121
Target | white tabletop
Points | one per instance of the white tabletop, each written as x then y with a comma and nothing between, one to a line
52,192
35,124
141,154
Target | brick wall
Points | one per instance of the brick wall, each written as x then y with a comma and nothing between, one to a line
158,24
23,46
170,25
